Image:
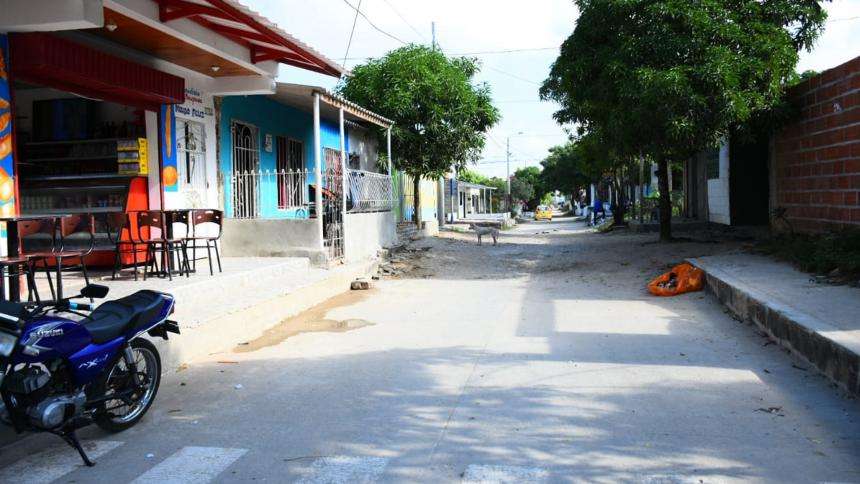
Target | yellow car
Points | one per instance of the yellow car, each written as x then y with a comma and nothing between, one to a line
543,213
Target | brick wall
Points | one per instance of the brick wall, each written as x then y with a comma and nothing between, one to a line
816,161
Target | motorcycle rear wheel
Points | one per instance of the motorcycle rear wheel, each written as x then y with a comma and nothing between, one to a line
117,415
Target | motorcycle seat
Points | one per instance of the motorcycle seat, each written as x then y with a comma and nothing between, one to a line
115,318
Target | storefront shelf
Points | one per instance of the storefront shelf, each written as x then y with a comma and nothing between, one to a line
110,188
62,211
74,158
91,176
74,141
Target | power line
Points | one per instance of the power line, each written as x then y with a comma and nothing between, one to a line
843,19
507,51
513,76
406,21
485,52
351,33
359,12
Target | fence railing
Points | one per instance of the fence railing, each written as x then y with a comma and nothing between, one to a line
284,189
370,192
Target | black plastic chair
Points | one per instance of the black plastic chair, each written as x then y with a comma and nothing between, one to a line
156,245
211,220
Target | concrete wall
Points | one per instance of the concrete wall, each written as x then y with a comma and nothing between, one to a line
816,160
366,233
362,142
271,238
274,119
719,210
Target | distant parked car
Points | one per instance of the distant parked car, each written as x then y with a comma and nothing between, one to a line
543,212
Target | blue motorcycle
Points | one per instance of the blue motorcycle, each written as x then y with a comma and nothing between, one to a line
66,364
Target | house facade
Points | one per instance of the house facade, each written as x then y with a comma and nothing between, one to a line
804,177
110,105
285,154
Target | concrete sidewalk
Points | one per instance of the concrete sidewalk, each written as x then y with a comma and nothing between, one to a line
217,312
818,322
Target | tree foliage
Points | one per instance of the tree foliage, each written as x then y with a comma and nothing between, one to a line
669,78
440,115
522,190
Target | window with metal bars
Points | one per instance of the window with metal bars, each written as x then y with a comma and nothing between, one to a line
290,167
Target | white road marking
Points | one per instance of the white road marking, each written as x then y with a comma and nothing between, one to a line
192,465
51,464
487,474
344,469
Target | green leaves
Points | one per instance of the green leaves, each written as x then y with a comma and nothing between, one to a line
667,78
440,115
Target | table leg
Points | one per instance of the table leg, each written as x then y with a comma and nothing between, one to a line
13,249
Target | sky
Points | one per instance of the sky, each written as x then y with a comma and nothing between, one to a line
533,30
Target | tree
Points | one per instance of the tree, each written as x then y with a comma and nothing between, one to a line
563,169
440,115
531,176
522,190
669,78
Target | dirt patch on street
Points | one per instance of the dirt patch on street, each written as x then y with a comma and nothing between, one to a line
312,320
564,249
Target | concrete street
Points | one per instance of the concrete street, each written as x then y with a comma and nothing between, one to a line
542,359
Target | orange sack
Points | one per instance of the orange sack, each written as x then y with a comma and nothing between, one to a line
682,278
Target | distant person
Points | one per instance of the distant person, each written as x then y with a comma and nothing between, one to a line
597,210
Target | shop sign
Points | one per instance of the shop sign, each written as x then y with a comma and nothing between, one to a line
167,142
7,165
193,106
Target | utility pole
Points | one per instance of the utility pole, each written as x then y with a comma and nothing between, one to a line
508,154
433,33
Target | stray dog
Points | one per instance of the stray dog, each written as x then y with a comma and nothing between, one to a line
481,231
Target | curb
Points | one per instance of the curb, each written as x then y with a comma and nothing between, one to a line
789,328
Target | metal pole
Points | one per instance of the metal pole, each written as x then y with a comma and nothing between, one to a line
318,198
388,142
508,154
344,180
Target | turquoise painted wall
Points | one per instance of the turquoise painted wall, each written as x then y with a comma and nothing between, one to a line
275,119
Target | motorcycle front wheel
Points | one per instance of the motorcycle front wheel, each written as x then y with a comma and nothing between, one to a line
116,415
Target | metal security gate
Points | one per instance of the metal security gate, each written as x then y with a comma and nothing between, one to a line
333,233
246,165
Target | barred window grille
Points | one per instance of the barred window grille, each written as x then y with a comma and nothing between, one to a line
290,160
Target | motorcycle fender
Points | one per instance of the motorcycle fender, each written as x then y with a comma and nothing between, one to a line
162,329
90,362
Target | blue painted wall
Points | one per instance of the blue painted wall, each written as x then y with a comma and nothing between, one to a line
275,119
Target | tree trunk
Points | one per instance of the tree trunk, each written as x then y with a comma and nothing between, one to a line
416,201
665,200
620,199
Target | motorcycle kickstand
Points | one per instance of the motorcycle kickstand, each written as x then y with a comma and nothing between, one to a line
71,438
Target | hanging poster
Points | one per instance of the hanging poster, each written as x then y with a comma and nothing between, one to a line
167,135
7,166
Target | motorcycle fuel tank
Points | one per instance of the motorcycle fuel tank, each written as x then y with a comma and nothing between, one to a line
52,337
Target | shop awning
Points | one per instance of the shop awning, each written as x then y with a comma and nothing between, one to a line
49,60
265,40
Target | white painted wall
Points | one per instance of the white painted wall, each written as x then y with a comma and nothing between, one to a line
718,190
363,143
366,233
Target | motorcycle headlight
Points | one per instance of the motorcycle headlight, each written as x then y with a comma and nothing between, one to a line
7,343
